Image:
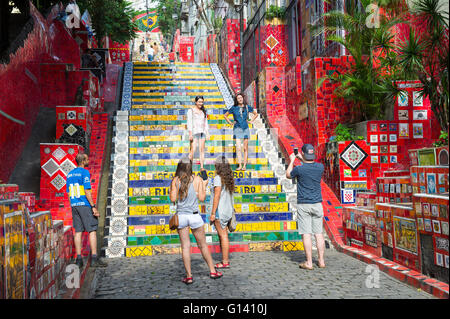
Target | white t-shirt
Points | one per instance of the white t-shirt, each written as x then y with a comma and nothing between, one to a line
151,51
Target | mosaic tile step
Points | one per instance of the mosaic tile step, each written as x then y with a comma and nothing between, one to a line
233,237
172,99
178,123
166,115
182,126
185,150
170,175
214,133
208,161
161,209
177,156
155,229
237,182
175,87
177,137
238,198
180,81
144,105
196,167
240,218
171,71
177,90
174,75
187,78
133,142
215,248
158,191
206,95
174,67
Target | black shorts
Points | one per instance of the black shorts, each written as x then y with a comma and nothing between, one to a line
83,219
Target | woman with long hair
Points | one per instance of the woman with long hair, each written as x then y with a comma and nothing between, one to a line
186,190
222,208
197,125
241,131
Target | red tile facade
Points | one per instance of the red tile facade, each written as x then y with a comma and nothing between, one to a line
230,51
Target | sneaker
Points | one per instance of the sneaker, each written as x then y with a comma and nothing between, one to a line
97,262
79,262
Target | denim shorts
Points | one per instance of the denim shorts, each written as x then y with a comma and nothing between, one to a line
199,136
239,133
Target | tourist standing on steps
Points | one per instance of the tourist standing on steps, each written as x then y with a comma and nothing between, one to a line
309,202
241,131
156,49
151,53
84,211
197,125
186,190
142,50
222,208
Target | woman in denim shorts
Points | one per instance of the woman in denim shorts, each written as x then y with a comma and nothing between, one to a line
241,131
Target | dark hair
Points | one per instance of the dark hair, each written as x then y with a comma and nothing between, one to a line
235,99
198,97
80,158
184,173
223,169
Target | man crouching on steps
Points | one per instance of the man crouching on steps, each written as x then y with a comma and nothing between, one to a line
309,202
84,212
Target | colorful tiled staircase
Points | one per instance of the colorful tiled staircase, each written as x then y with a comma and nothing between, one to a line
151,137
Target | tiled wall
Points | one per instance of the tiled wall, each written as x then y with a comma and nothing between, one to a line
119,53
273,47
186,49
231,52
21,82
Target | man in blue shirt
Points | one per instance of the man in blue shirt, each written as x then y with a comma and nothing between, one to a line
84,212
309,202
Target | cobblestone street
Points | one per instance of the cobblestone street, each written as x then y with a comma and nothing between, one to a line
257,275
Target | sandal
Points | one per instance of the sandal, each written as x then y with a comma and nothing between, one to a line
188,280
215,275
303,266
222,265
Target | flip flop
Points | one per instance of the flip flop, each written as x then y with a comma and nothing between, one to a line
188,280
303,266
215,275
222,265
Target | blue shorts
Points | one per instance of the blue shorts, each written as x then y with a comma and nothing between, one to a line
239,133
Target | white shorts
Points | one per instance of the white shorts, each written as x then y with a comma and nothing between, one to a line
192,220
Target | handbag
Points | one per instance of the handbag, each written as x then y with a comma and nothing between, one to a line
173,222
232,223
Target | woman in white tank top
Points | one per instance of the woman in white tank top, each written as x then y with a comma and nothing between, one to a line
186,190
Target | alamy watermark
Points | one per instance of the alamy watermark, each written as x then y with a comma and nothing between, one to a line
72,276
373,19
373,280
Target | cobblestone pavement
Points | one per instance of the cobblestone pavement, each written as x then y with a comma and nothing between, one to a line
265,275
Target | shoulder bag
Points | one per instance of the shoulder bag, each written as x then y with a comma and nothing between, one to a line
232,224
173,221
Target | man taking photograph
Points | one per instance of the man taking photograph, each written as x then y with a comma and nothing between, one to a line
309,202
